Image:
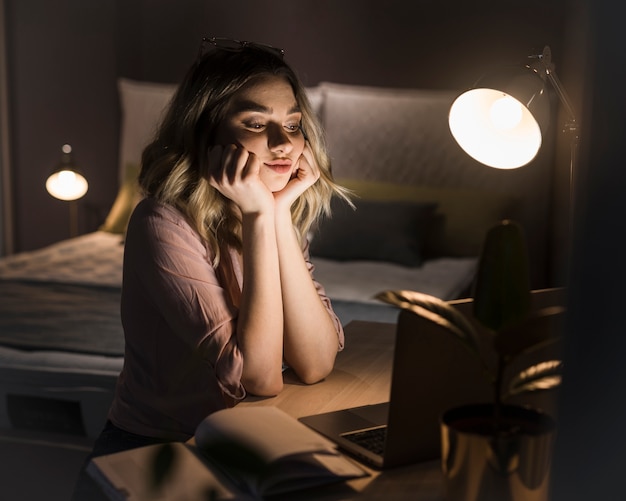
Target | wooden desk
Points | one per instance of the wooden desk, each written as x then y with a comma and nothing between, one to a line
362,375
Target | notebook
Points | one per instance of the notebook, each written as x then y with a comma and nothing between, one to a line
432,372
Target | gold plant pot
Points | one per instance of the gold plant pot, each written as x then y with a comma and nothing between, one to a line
510,461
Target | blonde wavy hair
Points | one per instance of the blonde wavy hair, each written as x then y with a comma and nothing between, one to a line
174,165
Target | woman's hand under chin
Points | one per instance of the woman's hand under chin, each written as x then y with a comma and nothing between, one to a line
304,176
239,179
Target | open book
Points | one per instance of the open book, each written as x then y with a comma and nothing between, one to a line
240,453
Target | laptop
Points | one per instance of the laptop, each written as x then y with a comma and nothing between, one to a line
432,372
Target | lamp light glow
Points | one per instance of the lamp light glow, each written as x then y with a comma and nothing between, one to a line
506,113
67,185
494,128
67,182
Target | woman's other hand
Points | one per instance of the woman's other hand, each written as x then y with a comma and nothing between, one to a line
304,176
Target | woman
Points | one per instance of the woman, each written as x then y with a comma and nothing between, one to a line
218,294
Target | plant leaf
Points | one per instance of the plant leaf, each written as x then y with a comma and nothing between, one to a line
438,311
542,376
502,291
236,456
538,330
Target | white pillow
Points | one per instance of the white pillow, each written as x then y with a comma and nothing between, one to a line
142,106
393,135
316,97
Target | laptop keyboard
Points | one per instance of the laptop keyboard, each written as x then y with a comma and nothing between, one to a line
372,439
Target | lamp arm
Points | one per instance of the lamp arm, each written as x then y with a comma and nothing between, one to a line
547,69
571,124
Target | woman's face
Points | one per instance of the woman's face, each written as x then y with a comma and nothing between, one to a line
264,118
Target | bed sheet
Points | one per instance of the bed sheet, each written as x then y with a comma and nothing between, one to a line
359,281
64,297
86,273
93,259
73,318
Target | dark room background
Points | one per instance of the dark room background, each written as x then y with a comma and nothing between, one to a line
64,58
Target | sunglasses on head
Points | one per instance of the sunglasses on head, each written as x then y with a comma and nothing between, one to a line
235,45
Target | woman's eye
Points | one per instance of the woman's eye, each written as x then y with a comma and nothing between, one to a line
292,127
255,125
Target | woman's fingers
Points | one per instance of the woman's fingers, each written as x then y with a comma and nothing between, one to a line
235,174
308,164
224,163
308,171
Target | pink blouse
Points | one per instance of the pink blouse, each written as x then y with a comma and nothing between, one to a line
179,315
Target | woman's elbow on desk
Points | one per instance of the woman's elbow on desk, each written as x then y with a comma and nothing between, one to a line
314,374
264,388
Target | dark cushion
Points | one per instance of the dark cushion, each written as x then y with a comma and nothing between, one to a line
464,215
393,231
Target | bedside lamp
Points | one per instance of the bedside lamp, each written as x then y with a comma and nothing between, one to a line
67,183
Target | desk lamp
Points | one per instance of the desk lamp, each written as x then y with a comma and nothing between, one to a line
501,121
67,183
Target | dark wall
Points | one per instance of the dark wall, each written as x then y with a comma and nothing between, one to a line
61,74
64,58
397,42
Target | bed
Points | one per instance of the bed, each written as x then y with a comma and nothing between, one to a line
61,341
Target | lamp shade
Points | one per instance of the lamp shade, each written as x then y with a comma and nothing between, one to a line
67,182
500,121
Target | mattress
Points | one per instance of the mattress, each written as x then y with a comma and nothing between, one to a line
93,259
87,270
353,285
58,316
446,278
66,296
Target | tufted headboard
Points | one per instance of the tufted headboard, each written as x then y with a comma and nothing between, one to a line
401,136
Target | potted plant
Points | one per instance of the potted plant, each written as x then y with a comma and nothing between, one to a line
497,451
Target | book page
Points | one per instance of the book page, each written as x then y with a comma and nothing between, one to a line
268,431
305,471
129,476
